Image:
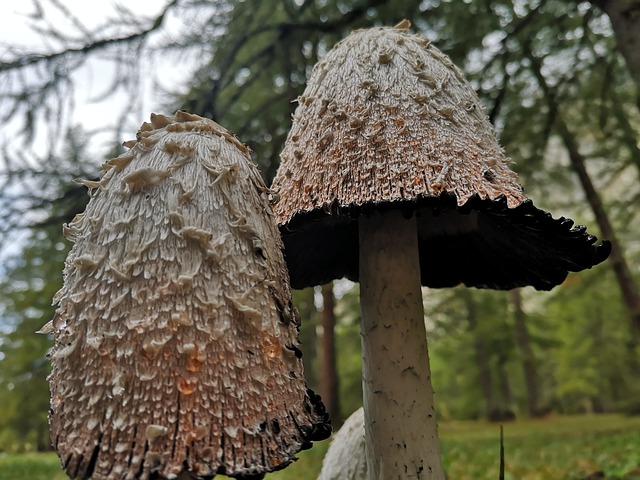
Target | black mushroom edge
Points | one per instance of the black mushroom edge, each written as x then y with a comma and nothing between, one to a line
308,434
483,243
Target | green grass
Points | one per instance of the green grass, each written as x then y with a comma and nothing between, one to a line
555,448
31,466
567,448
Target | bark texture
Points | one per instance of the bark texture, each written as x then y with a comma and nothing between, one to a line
175,338
400,423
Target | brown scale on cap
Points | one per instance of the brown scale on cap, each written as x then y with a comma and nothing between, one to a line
176,344
387,121
408,126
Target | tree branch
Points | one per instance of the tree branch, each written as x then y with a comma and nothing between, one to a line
625,18
34,59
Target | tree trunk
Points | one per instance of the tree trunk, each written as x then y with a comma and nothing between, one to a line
505,410
625,18
400,424
629,289
523,340
329,388
481,355
304,301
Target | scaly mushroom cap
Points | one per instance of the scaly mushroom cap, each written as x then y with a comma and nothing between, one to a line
175,338
387,121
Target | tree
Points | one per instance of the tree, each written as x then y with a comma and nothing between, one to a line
304,302
523,340
330,383
348,353
31,281
482,357
625,17
630,291
474,339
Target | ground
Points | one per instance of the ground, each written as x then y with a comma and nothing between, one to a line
554,448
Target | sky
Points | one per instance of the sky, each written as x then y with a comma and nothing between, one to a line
92,111
91,82
94,80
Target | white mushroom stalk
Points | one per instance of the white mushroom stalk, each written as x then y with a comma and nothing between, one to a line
399,410
176,343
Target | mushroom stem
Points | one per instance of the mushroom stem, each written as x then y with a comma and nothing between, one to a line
400,424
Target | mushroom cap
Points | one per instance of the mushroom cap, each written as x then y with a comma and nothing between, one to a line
387,121
176,344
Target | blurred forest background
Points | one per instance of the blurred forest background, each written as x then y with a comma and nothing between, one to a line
559,79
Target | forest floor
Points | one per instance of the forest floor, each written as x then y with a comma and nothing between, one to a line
553,448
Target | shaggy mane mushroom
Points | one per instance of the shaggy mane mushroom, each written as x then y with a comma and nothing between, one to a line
392,176
176,349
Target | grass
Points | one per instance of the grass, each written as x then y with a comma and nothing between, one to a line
567,448
32,466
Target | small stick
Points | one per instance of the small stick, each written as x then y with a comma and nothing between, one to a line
501,477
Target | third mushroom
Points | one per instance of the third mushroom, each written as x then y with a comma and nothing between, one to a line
392,176
176,349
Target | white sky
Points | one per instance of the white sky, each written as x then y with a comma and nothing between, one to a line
91,82
95,80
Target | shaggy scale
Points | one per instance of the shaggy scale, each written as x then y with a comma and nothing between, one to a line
388,122
386,116
175,338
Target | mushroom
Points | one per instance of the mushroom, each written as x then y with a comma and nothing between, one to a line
392,176
176,349
345,459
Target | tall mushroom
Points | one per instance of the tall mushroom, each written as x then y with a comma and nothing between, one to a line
176,343
392,175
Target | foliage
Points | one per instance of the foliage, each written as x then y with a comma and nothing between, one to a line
26,308
304,302
583,380
575,377
29,281
347,344
260,66
455,366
